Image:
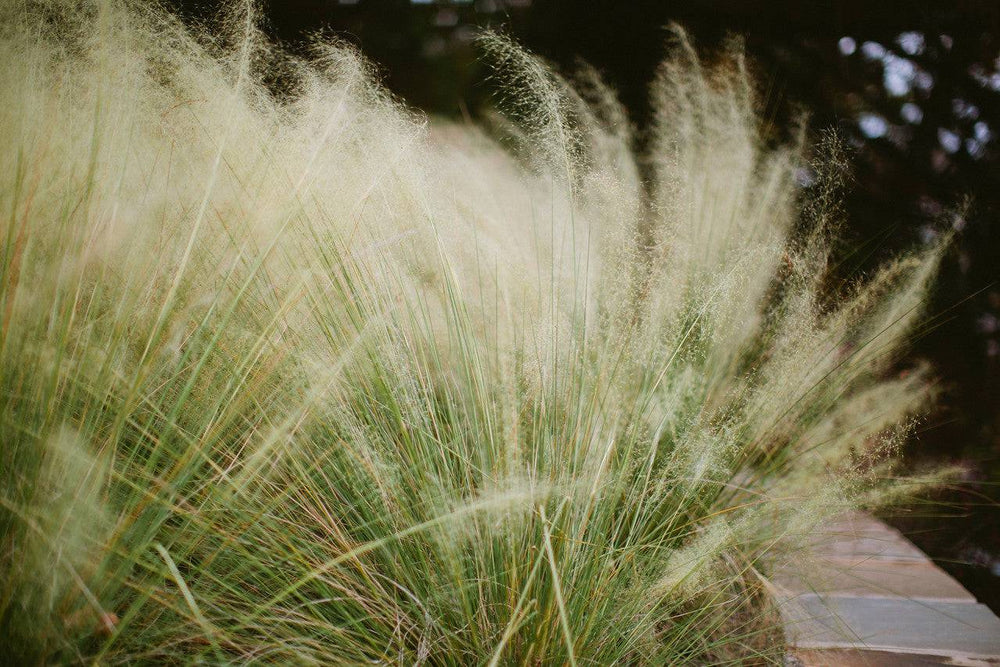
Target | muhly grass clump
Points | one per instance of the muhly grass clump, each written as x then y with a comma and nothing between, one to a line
299,377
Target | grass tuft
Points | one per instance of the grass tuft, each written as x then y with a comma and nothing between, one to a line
304,378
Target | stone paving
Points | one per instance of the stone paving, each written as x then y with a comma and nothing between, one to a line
865,595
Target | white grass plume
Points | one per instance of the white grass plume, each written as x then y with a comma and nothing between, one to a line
365,387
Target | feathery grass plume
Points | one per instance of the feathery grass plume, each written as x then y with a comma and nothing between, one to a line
304,378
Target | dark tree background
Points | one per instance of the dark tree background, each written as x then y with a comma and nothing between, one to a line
914,86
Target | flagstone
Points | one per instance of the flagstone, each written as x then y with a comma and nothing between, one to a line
862,658
933,627
872,578
862,594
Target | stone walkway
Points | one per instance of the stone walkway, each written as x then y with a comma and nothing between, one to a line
865,595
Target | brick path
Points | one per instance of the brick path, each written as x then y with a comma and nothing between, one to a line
865,595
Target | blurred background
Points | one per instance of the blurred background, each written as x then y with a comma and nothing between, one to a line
914,88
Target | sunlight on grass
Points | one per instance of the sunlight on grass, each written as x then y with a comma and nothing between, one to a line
297,376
